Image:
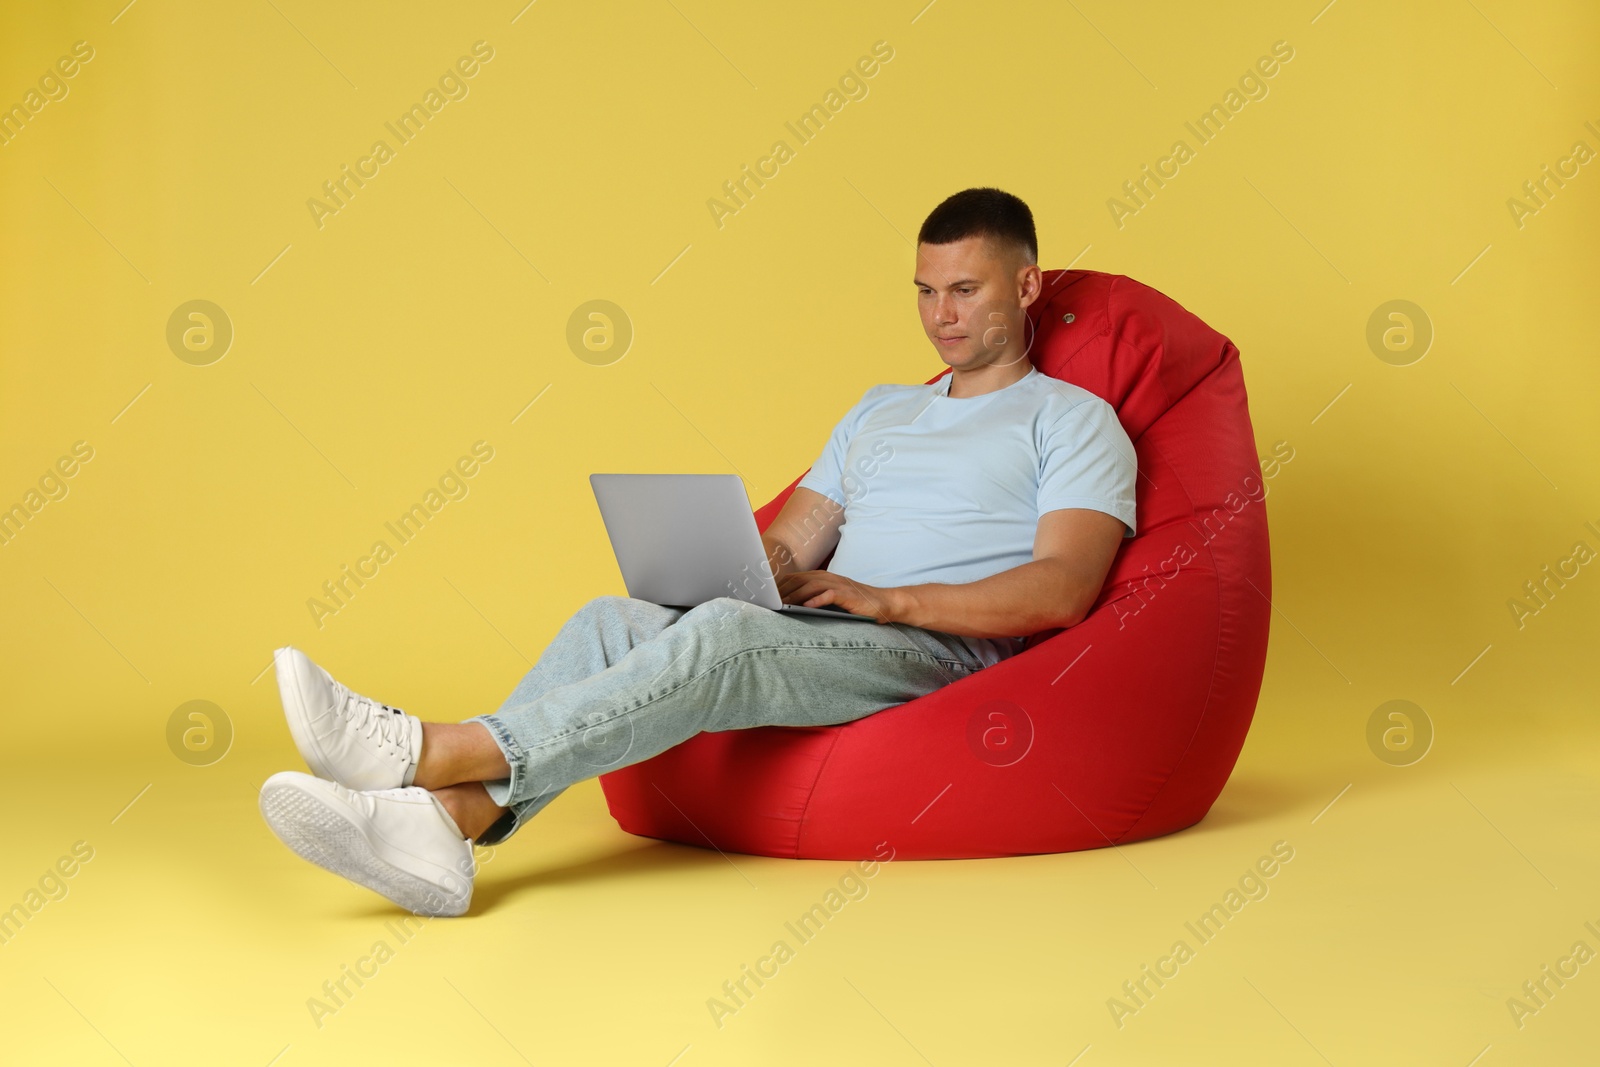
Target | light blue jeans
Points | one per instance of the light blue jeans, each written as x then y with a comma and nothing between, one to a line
625,679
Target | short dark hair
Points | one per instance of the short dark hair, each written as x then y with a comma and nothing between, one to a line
991,213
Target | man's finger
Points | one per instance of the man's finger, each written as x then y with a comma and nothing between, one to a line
798,591
809,590
826,595
790,581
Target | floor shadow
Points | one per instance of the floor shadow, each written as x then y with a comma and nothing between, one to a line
645,858
1250,798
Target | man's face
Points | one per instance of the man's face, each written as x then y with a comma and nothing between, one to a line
971,295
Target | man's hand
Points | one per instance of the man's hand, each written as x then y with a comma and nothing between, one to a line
815,589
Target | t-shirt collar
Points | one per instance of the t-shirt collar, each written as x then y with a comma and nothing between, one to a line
943,385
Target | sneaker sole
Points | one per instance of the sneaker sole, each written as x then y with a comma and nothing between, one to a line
321,833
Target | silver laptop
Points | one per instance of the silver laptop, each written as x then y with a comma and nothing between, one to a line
684,539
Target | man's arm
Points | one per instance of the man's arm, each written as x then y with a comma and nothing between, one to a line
1072,553
802,534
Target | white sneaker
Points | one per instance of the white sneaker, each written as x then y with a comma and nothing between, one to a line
400,843
344,736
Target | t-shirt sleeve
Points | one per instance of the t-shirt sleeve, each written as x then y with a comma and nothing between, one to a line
1087,461
826,475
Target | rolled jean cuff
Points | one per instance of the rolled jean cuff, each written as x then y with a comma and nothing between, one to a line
502,790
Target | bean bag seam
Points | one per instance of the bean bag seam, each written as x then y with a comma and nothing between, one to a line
1199,723
1216,654
1103,331
1154,363
804,823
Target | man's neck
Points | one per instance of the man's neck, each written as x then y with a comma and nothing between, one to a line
986,378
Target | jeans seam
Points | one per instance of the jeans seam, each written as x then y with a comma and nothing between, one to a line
515,754
729,659
969,669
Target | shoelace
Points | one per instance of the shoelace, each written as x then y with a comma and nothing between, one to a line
375,721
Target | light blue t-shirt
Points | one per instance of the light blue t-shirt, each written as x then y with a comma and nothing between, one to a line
950,489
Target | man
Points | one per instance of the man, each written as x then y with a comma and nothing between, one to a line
963,515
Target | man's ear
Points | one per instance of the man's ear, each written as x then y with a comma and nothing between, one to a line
1030,283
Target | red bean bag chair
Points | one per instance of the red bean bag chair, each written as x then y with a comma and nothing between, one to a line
1121,728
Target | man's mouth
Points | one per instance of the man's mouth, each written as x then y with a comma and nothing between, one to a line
951,340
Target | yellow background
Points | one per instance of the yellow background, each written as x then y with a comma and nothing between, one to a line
427,314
